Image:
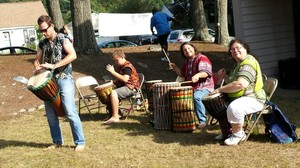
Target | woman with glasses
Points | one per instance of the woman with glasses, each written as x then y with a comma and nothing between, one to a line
244,88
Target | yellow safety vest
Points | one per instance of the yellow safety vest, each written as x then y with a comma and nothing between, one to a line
255,87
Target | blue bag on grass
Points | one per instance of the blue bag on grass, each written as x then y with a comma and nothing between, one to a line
278,127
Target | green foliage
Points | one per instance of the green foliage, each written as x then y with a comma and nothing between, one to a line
139,6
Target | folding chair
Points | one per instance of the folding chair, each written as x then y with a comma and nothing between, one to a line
270,87
85,87
133,100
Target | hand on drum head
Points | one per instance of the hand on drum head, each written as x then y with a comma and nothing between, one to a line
48,66
214,92
38,70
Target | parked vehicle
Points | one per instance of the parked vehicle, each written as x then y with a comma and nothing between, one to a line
116,44
141,39
16,50
180,36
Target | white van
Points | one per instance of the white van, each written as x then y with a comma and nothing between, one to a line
180,36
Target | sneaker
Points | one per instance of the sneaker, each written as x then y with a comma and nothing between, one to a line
202,125
220,137
79,148
164,59
234,140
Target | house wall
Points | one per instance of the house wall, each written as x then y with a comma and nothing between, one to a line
268,27
17,36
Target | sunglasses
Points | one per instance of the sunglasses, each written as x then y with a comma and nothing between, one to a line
44,30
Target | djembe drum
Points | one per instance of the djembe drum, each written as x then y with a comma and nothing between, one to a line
103,91
149,92
162,115
44,86
182,105
216,105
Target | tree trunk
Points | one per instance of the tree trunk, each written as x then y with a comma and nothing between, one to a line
199,21
222,35
83,31
55,13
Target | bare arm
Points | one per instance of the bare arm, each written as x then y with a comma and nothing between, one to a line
199,75
37,60
175,69
234,86
119,77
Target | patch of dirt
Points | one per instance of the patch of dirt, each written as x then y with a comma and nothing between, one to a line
14,96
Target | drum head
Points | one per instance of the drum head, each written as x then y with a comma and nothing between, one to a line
208,97
153,81
39,80
104,86
167,84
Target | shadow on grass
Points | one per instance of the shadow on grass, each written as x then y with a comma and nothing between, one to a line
138,124
10,143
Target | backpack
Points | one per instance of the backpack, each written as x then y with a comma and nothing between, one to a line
278,128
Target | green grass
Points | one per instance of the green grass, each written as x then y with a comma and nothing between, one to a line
135,143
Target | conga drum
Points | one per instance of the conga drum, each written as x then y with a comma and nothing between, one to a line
149,92
182,105
216,105
44,86
162,115
103,91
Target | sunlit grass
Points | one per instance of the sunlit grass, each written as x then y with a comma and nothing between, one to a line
135,143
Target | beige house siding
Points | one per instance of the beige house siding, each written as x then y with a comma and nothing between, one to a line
267,26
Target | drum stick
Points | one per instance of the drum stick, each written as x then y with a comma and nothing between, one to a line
222,82
184,82
166,55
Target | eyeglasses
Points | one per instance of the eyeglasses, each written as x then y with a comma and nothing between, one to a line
44,30
236,48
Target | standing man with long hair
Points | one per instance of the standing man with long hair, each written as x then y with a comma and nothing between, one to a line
56,52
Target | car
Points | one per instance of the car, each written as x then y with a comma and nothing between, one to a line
116,44
212,33
180,36
16,50
141,39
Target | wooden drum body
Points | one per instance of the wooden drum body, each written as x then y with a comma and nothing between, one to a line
103,91
162,105
216,105
182,105
149,92
44,86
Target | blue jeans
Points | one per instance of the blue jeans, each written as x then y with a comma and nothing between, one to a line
67,92
199,106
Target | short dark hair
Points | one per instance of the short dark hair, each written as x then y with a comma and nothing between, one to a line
154,10
44,18
244,44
